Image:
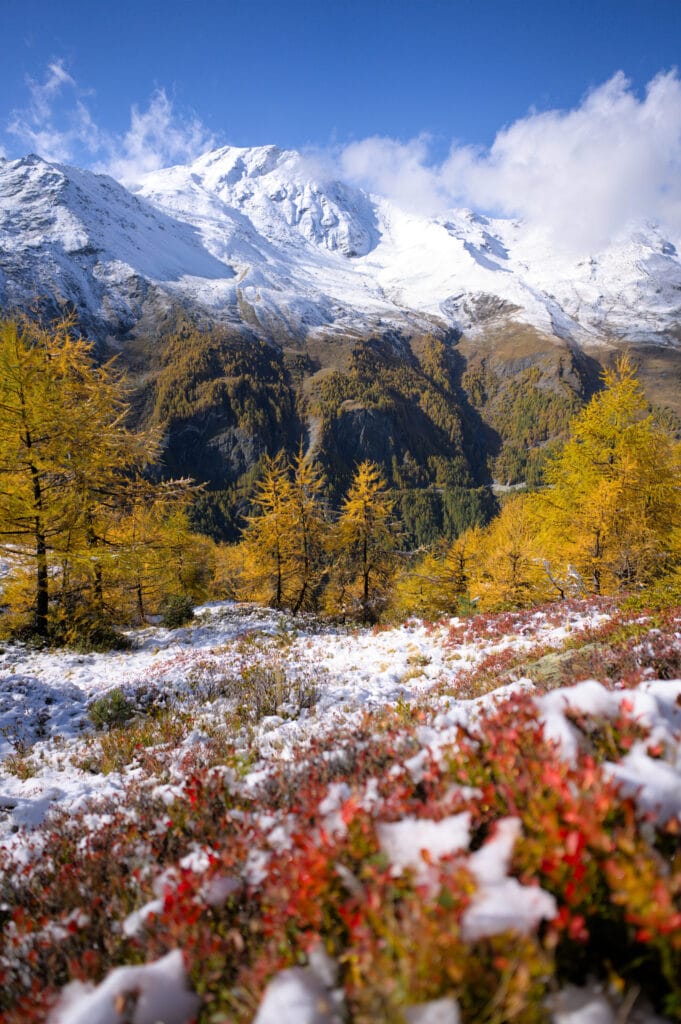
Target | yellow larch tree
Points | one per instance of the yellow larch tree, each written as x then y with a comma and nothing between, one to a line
156,556
63,444
267,538
363,546
613,500
438,582
308,537
508,571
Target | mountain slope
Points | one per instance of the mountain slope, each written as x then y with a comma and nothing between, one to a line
262,236
71,237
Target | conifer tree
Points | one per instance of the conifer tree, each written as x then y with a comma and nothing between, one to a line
267,538
438,583
614,492
364,542
508,571
282,552
156,555
63,443
308,533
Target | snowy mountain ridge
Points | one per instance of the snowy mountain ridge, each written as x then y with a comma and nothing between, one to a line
262,236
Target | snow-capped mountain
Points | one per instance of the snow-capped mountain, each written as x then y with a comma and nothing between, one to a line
264,237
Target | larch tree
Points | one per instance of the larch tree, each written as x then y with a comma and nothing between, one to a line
438,582
282,551
308,535
508,571
364,542
613,501
156,555
266,541
63,441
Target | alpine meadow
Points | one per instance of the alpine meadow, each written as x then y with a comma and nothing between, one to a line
340,513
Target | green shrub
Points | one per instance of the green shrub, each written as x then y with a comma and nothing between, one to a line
177,610
113,709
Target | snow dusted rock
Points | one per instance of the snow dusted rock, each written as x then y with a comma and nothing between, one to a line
141,995
70,236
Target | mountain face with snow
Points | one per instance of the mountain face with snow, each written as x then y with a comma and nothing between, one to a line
258,304
262,237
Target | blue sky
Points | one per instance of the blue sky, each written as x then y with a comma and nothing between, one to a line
566,113
297,73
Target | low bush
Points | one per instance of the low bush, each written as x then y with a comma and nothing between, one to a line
246,879
177,610
112,710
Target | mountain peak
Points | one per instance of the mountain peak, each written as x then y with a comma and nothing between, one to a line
256,234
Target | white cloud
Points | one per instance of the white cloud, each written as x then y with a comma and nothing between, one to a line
580,175
41,94
36,126
398,170
57,123
157,137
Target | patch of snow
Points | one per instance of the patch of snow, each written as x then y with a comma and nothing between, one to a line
306,995
655,784
437,1011
404,842
501,903
142,995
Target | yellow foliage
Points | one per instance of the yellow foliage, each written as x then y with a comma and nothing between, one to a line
437,584
613,499
508,571
64,449
283,548
362,546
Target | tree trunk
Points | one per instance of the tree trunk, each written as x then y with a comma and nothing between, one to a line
41,606
42,597
140,603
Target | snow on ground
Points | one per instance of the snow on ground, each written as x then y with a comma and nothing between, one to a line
152,993
44,695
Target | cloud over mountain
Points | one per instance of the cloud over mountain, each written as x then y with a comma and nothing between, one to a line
58,124
581,176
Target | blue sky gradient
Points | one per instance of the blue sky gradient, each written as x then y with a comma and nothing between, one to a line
302,73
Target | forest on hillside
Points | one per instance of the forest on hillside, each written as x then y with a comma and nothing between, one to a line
98,537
